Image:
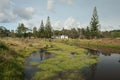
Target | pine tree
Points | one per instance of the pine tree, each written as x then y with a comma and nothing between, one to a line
48,28
94,24
41,30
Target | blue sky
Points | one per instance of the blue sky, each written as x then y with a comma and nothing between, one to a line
63,13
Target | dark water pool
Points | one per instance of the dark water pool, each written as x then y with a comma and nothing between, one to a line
108,67
38,56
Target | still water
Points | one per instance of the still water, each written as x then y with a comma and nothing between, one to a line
108,67
35,57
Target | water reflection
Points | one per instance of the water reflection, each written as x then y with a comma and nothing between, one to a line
38,56
108,67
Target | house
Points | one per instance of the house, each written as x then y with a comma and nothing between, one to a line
60,37
64,37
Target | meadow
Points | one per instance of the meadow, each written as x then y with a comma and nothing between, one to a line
68,62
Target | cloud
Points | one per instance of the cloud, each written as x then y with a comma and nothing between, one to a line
67,24
6,15
69,2
57,25
10,13
50,4
25,13
72,23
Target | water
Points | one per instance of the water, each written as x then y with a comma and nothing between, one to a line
35,57
108,68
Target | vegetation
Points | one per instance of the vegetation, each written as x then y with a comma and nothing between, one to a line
64,61
68,59
11,64
13,52
104,45
94,25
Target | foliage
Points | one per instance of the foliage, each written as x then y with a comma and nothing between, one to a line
21,30
41,31
48,28
4,32
11,64
50,68
35,33
94,25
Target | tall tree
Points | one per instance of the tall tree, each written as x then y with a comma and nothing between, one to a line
41,31
48,28
21,30
94,24
35,32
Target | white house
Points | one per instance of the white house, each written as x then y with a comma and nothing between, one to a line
60,37
64,37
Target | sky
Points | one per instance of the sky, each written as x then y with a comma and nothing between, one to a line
62,13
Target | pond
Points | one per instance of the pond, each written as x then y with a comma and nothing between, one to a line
35,57
108,67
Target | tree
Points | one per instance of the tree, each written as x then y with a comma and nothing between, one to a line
48,28
21,30
41,31
87,33
4,32
35,32
74,33
13,34
94,24
82,32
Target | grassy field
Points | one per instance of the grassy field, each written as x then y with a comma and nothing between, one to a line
69,57
12,56
107,45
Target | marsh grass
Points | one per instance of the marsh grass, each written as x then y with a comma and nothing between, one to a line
63,62
11,64
105,45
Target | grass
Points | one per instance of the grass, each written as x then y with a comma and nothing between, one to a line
11,64
34,63
103,45
63,61
14,51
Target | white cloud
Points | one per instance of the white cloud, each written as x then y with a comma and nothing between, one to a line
50,4
6,14
10,13
30,23
25,13
69,2
67,24
72,23
57,25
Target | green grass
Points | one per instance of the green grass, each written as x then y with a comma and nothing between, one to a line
92,44
34,63
11,64
12,56
63,61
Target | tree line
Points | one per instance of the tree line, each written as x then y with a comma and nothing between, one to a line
46,31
